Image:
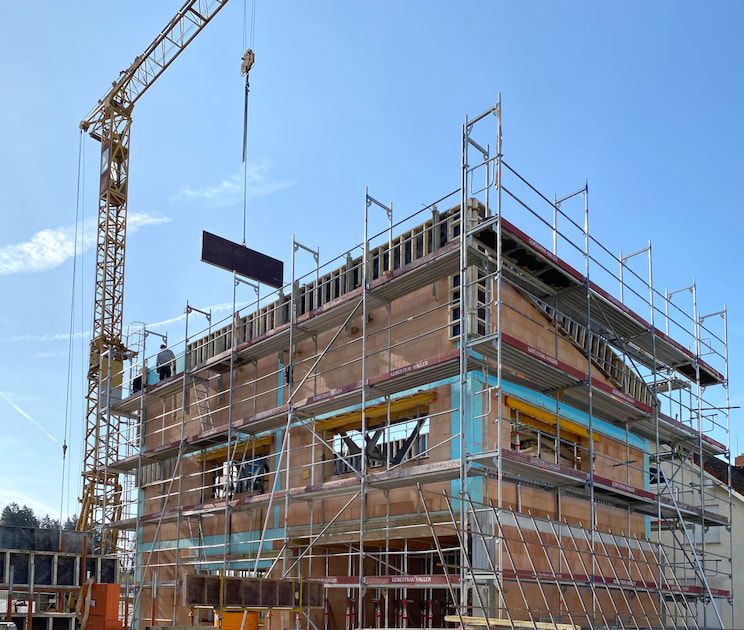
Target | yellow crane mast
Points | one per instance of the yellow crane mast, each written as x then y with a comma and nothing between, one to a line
110,122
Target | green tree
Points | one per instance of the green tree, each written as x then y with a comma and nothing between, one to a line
18,516
49,523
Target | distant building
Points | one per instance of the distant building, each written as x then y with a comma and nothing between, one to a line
716,540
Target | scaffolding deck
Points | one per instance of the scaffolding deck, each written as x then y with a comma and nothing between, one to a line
620,325
531,366
518,467
441,581
406,377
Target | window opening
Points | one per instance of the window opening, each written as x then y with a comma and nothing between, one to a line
405,440
248,475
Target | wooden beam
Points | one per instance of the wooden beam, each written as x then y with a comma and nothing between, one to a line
506,623
549,418
401,407
240,450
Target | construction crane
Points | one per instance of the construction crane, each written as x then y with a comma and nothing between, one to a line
110,123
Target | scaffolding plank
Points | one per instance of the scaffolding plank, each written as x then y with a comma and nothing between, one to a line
483,622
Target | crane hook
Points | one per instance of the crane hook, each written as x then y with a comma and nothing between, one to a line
247,62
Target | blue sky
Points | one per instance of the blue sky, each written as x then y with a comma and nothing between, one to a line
643,99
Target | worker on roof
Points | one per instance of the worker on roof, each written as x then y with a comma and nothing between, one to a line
164,361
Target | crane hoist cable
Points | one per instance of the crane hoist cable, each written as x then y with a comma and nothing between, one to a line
246,64
71,335
245,68
249,43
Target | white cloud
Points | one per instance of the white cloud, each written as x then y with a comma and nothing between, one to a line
49,354
48,249
229,191
57,337
199,322
46,337
214,308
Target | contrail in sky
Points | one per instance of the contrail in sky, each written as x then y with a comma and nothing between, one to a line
29,418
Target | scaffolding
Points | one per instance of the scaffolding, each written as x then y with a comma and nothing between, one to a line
449,423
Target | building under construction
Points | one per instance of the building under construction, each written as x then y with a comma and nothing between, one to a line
477,416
